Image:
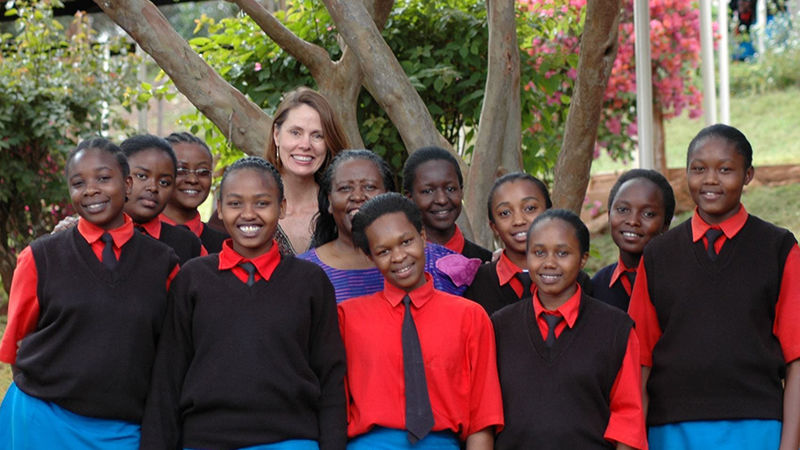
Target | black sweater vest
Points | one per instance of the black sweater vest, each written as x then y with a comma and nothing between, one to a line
94,344
180,239
558,398
473,250
614,295
239,366
717,358
212,239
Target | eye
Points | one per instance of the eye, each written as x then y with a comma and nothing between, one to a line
182,171
233,203
382,252
165,182
451,189
725,169
77,184
538,253
504,213
408,241
530,208
203,173
140,176
316,137
294,132
426,191
262,203
649,214
103,178
697,169
622,209
562,253
370,187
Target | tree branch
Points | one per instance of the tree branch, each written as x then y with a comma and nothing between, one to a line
241,121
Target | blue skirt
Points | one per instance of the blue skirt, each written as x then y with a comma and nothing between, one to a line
380,438
717,435
294,444
28,423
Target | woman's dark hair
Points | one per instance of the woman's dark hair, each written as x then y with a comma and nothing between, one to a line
424,155
667,195
335,139
187,138
105,145
257,163
569,217
325,229
136,144
728,133
515,176
378,206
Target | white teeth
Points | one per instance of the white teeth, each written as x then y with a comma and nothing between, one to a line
302,158
521,234
95,207
190,192
353,212
442,213
249,229
547,277
629,234
403,270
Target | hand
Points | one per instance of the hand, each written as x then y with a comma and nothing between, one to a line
65,224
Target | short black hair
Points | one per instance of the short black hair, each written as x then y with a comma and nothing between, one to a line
667,194
105,145
136,144
380,205
257,163
187,138
424,155
569,217
514,176
324,226
728,133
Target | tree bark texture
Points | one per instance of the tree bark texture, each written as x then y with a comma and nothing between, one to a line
659,140
597,53
239,119
498,140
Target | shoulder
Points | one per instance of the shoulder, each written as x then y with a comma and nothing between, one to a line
768,227
310,255
181,233
473,250
681,233
604,274
201,264
510,313
436,251
356,305
597,309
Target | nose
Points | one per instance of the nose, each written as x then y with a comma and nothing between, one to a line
358,194
152,185
439,197
397,254
248,211
517,218
632,218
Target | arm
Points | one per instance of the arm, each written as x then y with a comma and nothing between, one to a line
790,432
645,397
787,329
626,422
481,440
486,401
23,306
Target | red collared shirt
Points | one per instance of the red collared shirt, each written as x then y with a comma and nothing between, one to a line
265,263
626,423
195,224
507,274
458,349
456,243
23,300
151,228
787,309
618,273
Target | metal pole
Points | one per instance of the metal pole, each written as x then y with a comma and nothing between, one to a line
644,83
761,21
724,62
707,63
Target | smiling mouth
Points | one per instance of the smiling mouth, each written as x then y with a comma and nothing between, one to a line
520,236
249,230
190,192
442,213
630,234
404,271
549,278
303,158
95,207
710,195
352,213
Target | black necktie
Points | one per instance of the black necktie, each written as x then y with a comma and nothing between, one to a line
711,236
419,415
525,279
109,259
552,321
250,268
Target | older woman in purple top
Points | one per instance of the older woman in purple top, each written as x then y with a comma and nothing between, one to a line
354,177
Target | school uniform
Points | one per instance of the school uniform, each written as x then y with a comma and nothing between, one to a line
582,392
185,244
459,244
81,337
458,350
496,285
718,332
210,238
242,366
612,284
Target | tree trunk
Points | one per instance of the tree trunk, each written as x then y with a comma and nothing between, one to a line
598,50
239,119
499,135
660,154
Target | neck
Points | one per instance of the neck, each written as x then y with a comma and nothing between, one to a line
519,259
299,190
438,236
631,260
555,301
178,214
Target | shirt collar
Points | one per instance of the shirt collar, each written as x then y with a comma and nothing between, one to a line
569,310
419,296
730,226
265,263
456,243
506,270
152,228
92,232
618,271
195,224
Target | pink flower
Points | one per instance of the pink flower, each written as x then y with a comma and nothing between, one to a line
258,67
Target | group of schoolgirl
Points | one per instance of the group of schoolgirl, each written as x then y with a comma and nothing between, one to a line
247,349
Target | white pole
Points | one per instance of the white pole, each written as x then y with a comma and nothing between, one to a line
724,61
707,63
644,83
761,21
142,77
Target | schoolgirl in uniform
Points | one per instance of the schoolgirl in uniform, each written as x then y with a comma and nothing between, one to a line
567,362
152,163
85,312
192,187
250,354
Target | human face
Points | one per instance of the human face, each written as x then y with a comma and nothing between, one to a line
398,250
636,216
98,188
514,206
250,207
554,261
153,175
716,176
354,182
191,189
438,195
301,142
